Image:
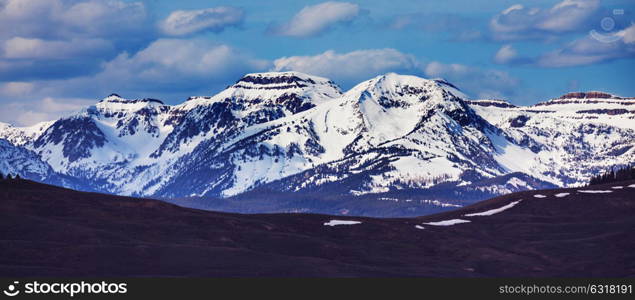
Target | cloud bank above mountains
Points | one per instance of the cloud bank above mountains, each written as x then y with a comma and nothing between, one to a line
74,51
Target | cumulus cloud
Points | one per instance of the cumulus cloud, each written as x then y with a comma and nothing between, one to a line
33,48
175,68
520,22
70,18
505,54
15,88
46,109
480,83
65,38
627,35
178,64
316,19
590,50
351,67
186,22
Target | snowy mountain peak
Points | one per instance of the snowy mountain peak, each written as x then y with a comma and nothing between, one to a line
289,91
116,103
115,98
23,135
404,91
390,132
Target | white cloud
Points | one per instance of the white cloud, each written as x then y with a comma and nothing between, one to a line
168,62
568,15
482,83
627,35
16,88
520,22
353,67
589,50
315,19
66,38
166,68
174,67
185,22
70,18
346,68
46,109
33,48
505,54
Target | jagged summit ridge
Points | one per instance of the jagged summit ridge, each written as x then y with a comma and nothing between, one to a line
280,79
296,132
115,98
491,102
589,95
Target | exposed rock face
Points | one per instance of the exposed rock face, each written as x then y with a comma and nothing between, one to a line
588,95
292,132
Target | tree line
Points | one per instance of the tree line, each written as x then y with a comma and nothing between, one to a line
9,176
614,175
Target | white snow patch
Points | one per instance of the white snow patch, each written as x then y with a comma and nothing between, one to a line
632,186
594,191
448,222
419,227
494,211
560,195
539,196
515,182
617,187
511,156
438,203
341,222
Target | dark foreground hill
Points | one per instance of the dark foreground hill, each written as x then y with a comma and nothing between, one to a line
51,231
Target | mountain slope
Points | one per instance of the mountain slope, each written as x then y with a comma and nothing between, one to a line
517,235
570,138
387,131
288,132
16,160
22,135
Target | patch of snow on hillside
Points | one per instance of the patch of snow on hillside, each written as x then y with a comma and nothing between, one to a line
511,156
341,222
447,222
494,211
439,203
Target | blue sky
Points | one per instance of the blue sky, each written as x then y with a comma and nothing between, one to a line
57,56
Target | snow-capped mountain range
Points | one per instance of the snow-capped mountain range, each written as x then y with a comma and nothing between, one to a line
292,132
